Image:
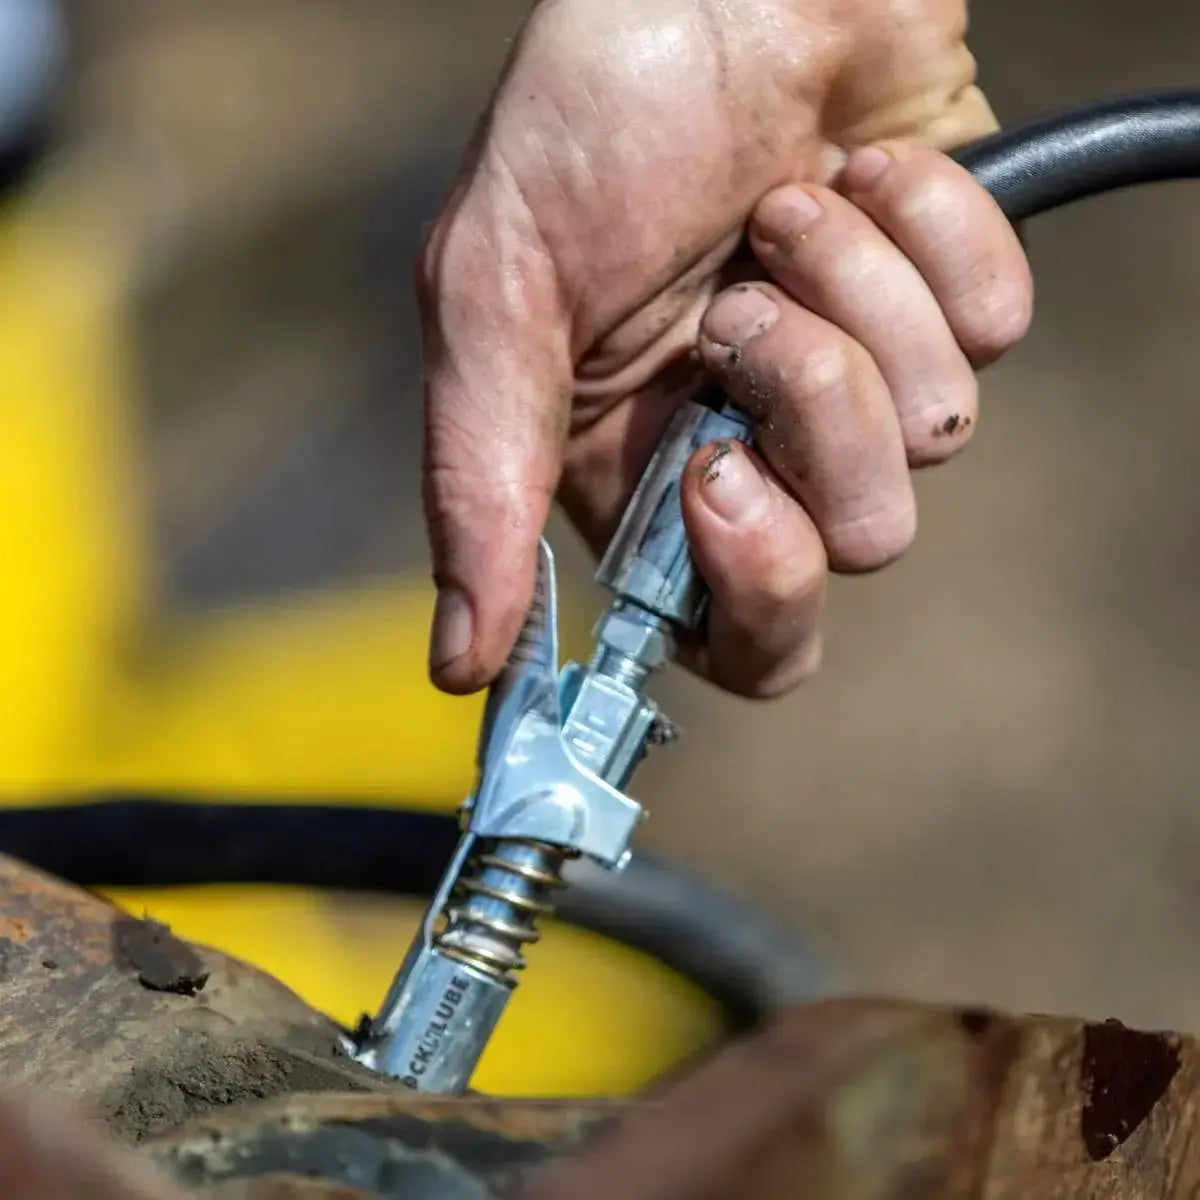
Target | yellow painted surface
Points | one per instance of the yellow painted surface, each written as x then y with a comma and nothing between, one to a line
320,692
590,1017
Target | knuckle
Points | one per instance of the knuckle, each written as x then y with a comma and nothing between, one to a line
446,266
873,540
822,370
989,293
773,686
786,593
995,315
794,670
427,263
859,265
925,194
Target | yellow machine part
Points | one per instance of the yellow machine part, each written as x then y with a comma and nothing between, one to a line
591,1018
313,695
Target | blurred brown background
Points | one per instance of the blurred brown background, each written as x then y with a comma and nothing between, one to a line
990,791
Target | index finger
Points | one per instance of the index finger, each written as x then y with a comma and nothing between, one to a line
497,391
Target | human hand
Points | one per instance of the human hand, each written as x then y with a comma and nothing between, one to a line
660,194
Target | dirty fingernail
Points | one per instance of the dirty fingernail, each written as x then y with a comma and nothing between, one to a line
453,628
730,484
738,316
865,168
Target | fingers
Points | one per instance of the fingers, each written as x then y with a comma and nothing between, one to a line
497,391
926,298
918,265
825,420
955,233
839,264
764,563
858,365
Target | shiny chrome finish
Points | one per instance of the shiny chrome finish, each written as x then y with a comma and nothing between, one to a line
556,750
648,562
500,898
433,1035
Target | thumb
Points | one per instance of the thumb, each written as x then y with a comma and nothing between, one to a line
497,393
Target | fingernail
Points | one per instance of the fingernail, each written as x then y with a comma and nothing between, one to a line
731,484
739,315
865,168
789,210
453,628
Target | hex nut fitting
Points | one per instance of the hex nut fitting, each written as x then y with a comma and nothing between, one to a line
622,631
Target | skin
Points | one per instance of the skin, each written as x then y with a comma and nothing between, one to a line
48,1151
667,191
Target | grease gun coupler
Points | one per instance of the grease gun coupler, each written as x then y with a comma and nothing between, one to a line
556,751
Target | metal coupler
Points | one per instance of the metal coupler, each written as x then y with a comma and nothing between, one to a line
556,751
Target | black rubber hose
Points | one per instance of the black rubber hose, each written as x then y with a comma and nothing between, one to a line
753,964
750,963
1043,164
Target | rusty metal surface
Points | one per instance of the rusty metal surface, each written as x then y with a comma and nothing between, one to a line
383,1147
126,1022
848,1099
873,1099
171,1044
113,1013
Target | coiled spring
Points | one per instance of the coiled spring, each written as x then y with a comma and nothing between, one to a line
497,902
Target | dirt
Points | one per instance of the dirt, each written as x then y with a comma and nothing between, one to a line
162,961
711,468
951,425
212,1074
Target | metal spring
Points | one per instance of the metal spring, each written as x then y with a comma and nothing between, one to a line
500,898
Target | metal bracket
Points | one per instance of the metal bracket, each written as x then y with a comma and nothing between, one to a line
531,786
